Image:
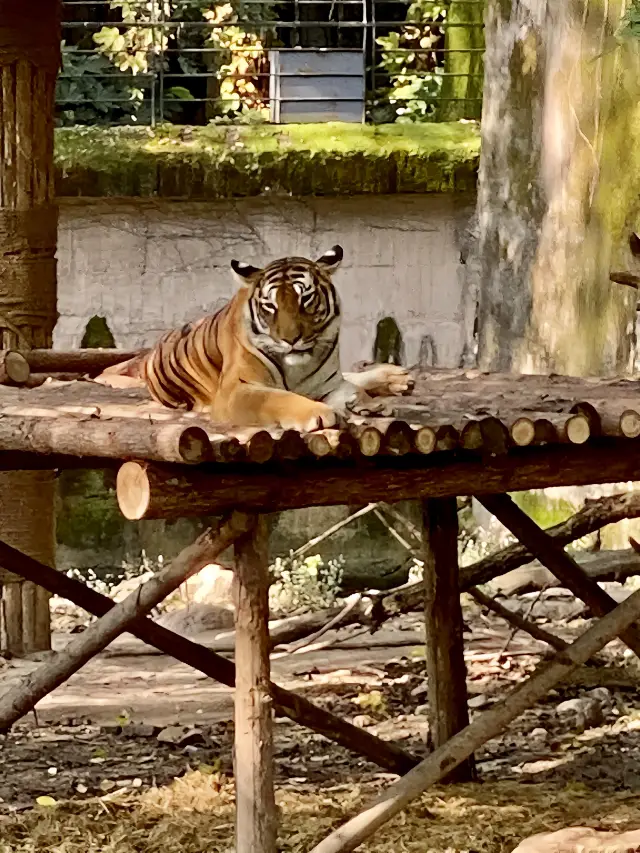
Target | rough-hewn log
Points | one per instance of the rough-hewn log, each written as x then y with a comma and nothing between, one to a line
14,368
256,825
518,621
595,515
297,708
74,436
89,362
153,491
489,724
29,61
446,670
551,555
24,696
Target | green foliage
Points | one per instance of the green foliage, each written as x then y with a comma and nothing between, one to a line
414,73
139,49
631,20
91,91
306,584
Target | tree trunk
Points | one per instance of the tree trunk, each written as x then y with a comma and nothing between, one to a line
462,85
29,60
557,186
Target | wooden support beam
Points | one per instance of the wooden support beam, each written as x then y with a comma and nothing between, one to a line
593,516
488,725
24,696
446,670
256,826
517,621
14,368
89,362
112,439
155,491
554,558
385,754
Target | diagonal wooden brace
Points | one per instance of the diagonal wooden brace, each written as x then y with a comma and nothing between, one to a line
559,563
25,695
384,753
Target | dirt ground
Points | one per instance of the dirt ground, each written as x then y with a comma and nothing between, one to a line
117,775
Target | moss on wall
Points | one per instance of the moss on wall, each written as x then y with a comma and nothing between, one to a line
223,162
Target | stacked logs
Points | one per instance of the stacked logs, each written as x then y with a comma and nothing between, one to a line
431,420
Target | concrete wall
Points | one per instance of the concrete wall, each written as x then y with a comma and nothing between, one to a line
147,266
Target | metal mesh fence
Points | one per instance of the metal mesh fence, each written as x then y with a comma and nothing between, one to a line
189,62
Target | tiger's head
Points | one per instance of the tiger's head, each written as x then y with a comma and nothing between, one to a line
292,303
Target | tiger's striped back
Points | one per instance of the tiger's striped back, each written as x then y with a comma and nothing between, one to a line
280,329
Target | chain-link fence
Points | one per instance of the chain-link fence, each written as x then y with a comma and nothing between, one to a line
193,62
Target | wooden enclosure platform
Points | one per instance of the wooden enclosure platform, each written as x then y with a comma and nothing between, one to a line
458,433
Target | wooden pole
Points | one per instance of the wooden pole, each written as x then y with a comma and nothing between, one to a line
385,754
446,670
554,558
146,490
89,362
29,61
25,695
256,827
486,726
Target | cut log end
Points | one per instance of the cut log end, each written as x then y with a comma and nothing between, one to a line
133,490
578,429
14,368
630,423
194,445
425,440
523,432
317,444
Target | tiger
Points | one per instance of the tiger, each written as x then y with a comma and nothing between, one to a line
269,357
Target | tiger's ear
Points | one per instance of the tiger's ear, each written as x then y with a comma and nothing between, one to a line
332,259
244,273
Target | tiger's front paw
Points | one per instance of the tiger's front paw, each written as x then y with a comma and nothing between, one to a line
310,418
394,380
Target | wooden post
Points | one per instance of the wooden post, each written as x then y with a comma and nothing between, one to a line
253,761
446,670
29,60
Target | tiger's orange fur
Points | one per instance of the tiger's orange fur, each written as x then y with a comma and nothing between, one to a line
269,357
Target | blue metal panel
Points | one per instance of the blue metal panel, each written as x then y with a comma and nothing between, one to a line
317,86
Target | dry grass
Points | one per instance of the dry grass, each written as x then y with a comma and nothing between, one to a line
195,814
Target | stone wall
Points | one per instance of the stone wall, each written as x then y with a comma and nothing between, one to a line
146,266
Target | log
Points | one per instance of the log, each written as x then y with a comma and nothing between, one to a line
75,436
369,439
594,515
627,278
487,725
14,368
24,697
446,670
155,491
547,428
551,555
90,362
386,755
614,422
518,621
256,826
488,434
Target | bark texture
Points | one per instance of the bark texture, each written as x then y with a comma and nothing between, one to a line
558,182
29,60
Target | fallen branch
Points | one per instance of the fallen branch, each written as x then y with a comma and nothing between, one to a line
593,516
518,621
552,555
486,726
386,755
24,696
